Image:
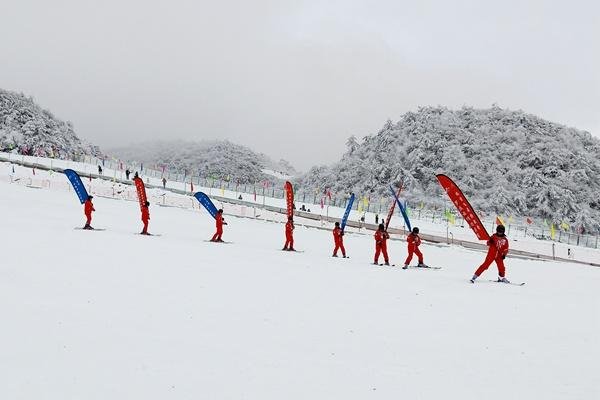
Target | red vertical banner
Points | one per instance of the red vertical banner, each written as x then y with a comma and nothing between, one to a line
392,208
141,191
289,197
463,206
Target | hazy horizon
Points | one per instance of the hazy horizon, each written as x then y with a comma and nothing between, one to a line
293,80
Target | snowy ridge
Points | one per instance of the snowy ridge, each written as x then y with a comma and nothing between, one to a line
215,159
27,128
506,162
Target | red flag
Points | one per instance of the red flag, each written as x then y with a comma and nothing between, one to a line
141,191
329,194
463,206
392,207
529,221
498,222
289,192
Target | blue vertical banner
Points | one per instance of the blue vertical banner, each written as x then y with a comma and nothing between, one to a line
77,185
207,203
347,212
402,209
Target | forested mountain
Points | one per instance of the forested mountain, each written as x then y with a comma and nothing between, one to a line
219,159
507,162
29,129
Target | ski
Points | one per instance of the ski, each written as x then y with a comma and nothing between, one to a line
383,265
417,267
292,251
92,229
148,234
220,242
509,283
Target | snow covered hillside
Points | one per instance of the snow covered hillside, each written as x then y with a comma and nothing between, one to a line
218,159
506,162
30,129
113,314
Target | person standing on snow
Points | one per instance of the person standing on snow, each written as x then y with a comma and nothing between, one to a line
338,238
127,173
164,182
381,237
498,249
414,241
88,207
289,235
145,217
219,223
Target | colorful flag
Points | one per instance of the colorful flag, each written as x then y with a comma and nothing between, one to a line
552,232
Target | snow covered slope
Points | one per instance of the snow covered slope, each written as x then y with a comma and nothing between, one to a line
115,315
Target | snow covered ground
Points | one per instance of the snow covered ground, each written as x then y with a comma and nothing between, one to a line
116,315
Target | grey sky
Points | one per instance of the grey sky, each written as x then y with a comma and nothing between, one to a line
294,79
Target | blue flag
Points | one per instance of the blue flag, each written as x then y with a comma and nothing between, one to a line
77,185
347,212
402,209
207,203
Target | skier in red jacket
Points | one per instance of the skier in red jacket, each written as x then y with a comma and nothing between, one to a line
289,235
338,238
414,241
145,217
498,249
88,207
219,223
381,237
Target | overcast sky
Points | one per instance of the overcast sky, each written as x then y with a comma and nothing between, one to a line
294,79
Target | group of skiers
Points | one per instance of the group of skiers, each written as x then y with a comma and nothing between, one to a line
497,244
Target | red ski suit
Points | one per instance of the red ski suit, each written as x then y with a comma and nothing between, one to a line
88,207
338,238
145,218
414,241
498,249
289,235
219,223
381,238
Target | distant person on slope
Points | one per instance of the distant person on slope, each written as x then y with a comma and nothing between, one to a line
414,241
381,237
289,235
88,207
127,173
219,221
498,249
145,217
164,182
338,238
99,170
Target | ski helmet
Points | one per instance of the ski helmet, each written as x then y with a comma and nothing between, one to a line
415,230
337,224
381,227
500,229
